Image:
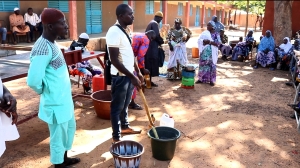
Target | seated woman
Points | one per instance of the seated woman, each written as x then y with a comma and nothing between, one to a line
265,55
283,54
243,48
84,69
177,37
291,53
224,47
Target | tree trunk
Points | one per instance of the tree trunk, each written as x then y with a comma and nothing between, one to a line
282,20
234,17
247,10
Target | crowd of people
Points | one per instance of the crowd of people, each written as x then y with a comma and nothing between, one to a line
48,74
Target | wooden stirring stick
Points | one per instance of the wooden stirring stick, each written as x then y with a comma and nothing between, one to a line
148,113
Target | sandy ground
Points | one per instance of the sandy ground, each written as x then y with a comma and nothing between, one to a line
243,121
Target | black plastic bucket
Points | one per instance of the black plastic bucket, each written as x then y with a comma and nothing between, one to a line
164,147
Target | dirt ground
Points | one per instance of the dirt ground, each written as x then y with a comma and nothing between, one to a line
243,121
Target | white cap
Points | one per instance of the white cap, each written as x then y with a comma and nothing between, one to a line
16,8
84,36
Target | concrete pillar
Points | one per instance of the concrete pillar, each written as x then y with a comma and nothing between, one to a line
215,11
223,16
187,14
130,3
165,11
202,15
73,20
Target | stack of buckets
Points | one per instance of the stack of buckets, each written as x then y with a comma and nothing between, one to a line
188,79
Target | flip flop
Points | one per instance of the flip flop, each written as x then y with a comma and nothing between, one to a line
198,82
71,161
135,107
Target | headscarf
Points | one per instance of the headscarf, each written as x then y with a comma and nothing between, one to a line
286,47
212,24
249,33
214,50
267,43
218,25
248,37
298,46
178,20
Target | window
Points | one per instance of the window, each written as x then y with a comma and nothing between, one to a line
208,12
8,6
150,7
191,10
62,5
180,9
133,7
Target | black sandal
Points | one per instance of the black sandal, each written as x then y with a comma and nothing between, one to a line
71,161
135,107
153,84
198,82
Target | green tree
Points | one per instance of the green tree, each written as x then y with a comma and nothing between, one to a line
252,6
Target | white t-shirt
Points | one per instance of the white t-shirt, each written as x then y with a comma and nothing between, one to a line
33,20
115,37
8,132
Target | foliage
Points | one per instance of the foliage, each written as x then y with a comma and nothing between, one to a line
255,6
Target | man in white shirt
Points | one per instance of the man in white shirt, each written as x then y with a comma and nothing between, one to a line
33,21
123,65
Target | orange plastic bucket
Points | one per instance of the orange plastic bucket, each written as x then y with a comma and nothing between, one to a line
195,53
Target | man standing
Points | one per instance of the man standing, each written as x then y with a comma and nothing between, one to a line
48,76
33,21
17,25
151,57
122,68
140,44
224,47
3,33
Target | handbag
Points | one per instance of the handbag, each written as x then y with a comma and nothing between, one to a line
161,57
107,74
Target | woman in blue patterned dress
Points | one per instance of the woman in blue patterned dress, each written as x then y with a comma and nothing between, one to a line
265,55
243,48
208,48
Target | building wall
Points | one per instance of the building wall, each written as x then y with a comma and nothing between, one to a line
192,18
24,5
241,20
173,13
108,13
295,15
268,17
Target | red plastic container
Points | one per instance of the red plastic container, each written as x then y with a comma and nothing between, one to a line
98,83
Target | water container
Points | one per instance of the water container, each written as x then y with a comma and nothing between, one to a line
195,53
148,82
98,83
166,120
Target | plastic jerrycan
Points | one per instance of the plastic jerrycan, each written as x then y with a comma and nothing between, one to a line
166,120
98,83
